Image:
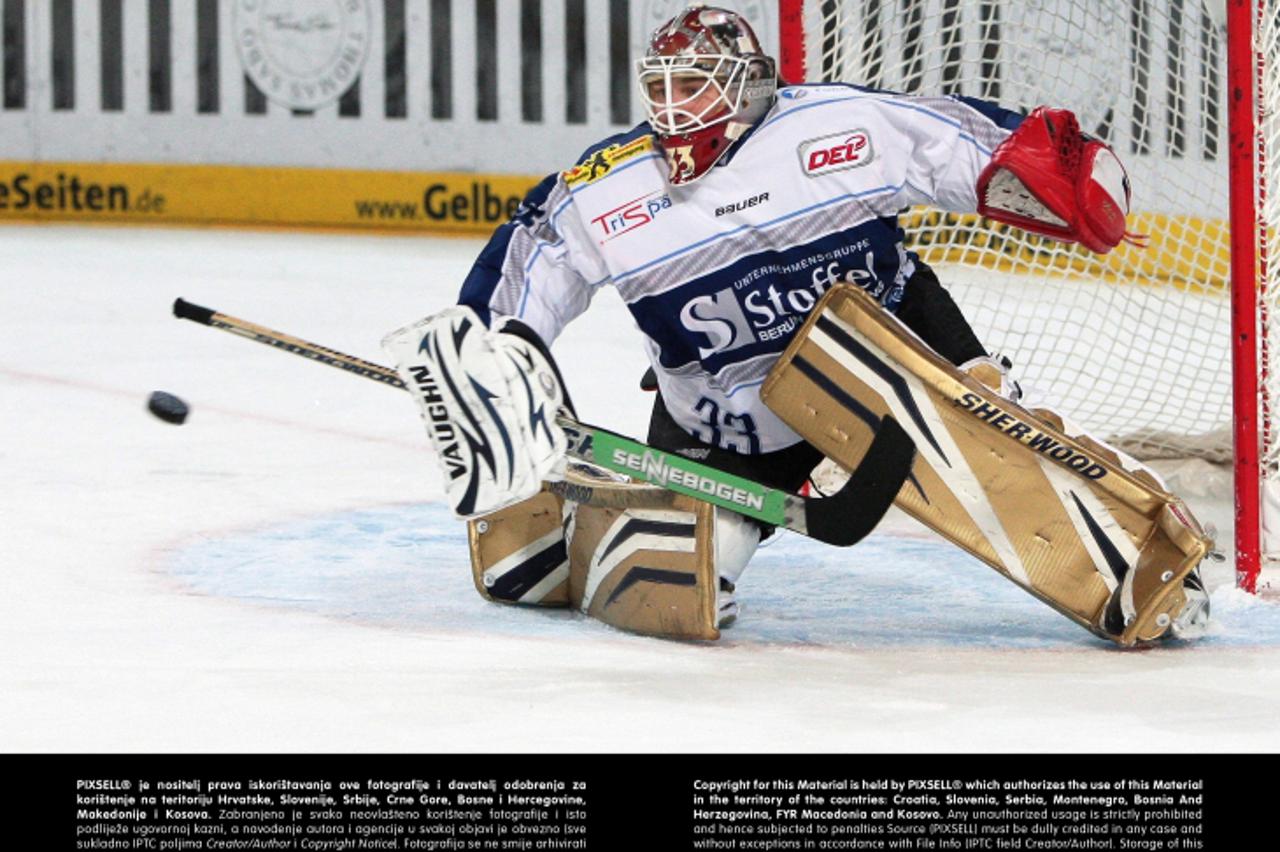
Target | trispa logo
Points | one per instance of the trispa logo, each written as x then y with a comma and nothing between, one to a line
631,215
844,150
302,54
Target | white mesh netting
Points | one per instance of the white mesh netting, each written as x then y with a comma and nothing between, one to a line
1134,345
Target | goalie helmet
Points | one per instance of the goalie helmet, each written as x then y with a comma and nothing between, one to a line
704,81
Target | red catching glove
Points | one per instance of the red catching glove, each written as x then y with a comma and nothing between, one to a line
1050,178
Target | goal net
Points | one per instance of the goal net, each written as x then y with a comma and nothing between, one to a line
1135,345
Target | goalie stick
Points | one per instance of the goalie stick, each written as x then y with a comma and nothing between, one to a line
842,518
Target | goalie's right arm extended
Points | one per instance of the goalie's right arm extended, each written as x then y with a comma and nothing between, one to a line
482,371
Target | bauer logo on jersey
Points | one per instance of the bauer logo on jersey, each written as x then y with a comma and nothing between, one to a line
601,162
635,213
847,149
744,204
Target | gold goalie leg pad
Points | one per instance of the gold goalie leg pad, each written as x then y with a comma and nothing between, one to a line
632,555
1062,515
518,554
646,570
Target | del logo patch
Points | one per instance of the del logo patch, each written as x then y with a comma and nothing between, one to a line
844,150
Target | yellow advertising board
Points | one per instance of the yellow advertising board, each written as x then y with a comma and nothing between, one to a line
244,195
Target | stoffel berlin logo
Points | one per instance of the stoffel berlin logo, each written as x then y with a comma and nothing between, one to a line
302,54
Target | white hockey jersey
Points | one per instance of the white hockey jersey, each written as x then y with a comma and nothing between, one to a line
720,274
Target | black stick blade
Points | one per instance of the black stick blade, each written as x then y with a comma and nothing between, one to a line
847,516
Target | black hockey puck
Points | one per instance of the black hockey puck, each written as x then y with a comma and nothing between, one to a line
168,407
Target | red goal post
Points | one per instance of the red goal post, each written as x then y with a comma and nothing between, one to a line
1163,352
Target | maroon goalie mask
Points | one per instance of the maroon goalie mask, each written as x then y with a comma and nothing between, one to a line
704,81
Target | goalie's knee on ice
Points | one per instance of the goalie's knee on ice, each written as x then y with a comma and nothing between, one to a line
660,572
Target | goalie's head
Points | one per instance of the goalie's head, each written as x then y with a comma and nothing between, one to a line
704,81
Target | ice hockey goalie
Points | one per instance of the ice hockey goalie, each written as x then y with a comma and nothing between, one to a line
752,230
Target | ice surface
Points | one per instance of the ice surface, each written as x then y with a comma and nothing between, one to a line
278,574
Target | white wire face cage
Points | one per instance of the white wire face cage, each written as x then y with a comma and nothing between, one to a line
692,91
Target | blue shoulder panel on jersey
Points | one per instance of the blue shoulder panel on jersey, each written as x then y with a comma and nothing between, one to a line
1001,117
998,115
482,280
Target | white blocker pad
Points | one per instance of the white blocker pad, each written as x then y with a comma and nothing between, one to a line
1059,514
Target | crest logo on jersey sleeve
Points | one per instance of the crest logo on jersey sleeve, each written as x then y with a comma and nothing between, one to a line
601,162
